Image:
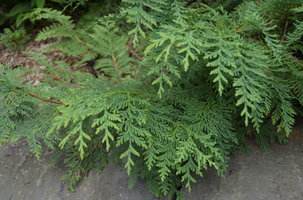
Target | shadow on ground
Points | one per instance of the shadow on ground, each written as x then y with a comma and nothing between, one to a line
274,176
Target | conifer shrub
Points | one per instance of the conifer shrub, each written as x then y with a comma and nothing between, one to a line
175,91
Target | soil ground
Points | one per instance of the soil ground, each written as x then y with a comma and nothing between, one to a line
277,175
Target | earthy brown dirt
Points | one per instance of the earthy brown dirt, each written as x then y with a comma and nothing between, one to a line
21,59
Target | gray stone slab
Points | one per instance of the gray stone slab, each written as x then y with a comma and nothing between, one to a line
277,175
23,177
274,176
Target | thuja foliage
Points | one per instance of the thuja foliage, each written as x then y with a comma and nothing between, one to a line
207,79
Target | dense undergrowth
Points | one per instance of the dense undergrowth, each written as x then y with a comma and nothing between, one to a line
175,87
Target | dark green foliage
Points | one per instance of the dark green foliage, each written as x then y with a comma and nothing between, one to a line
97,9
17,11
208,80
14,40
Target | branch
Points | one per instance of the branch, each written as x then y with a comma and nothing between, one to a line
294,59
47,100
115,62
80,41
284,33
134,53
78,38
257,150
131,49
58,78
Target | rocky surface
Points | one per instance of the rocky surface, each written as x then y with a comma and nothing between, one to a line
22,177
260,176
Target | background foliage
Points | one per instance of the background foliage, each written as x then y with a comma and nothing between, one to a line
175,86
16,11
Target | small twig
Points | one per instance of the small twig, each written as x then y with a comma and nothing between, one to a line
131,49
58,78
116,66
78,38
132,39
134,54
294,59
80,41
284,33
47,100
110,183
252,155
